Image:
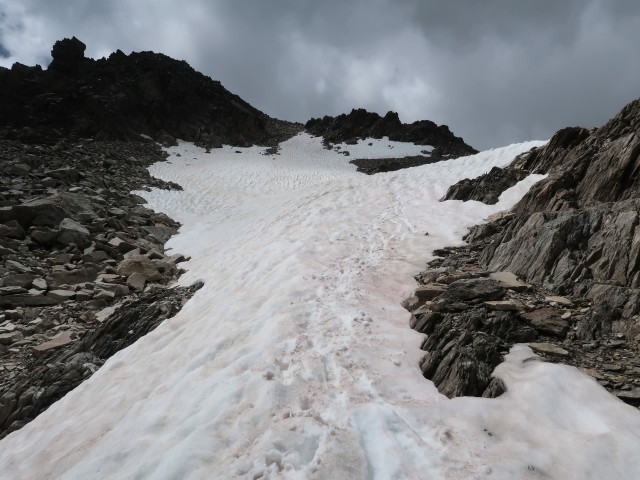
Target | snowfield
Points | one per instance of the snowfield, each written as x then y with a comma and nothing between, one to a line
296,360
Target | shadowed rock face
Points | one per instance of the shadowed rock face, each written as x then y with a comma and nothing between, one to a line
120,97
360,124
67,54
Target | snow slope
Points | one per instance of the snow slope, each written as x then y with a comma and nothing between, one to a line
296,361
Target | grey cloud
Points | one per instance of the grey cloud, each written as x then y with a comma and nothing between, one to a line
496,71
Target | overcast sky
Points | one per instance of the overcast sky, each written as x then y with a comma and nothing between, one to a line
495,71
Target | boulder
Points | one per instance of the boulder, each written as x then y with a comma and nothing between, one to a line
136,281
73,232
510,281
67,175
50,211
141,265
117,289
39,283
486,188
505,305
162,232
556,299
547,320
474,289
122,245
61,295
17,266
9,338
43,236
23,280
548,348
12,229
60,340
429,291
27,300
71,277
18,169
12,290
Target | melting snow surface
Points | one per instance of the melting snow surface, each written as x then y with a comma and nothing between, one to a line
296,359
382,148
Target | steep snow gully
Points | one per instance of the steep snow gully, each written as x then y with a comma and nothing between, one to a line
295,360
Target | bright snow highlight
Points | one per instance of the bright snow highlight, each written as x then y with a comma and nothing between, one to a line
296,359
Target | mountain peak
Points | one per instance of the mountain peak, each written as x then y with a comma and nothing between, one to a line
123,96
67,53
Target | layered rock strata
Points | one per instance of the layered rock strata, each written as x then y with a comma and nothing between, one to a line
576,234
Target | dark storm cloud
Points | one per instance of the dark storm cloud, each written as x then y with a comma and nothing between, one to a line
495,71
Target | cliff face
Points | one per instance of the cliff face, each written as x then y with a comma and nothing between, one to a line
579,224
587,166
578,231
120,97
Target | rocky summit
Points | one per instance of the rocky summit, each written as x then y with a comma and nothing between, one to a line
572,240
124,96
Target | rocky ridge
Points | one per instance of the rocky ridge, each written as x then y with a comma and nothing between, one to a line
123,96
574,236
360,124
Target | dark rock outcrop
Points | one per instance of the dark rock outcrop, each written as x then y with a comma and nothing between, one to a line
486,188
575,233
578,230
123,96
371,166
67,55
361,124
83,268
467,335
